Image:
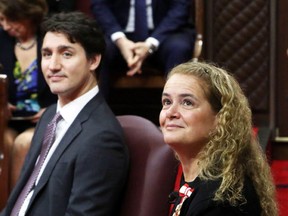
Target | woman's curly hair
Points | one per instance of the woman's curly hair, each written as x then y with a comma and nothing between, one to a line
233,151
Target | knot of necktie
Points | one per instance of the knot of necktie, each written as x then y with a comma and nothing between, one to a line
56,118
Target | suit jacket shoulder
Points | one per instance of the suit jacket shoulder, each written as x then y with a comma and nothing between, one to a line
87,172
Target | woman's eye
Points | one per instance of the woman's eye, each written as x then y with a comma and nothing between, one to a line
166,102
187,103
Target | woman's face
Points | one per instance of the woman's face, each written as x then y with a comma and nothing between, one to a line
16,29
186,117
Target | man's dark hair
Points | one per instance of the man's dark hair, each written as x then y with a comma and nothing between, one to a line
79,28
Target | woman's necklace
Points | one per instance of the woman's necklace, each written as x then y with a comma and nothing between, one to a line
19,44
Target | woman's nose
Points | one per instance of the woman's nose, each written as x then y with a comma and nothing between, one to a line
172,111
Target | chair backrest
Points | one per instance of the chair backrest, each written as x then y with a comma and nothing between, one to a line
4,159
84,6
153,169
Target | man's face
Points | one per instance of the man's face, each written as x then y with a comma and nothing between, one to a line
66,68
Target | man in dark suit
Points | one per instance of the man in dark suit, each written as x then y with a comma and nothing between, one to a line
85,170
167,41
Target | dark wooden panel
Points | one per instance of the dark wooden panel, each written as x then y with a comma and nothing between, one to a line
281,68
274,109
4,187
239,39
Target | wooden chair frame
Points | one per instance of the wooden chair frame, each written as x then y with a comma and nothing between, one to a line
4,154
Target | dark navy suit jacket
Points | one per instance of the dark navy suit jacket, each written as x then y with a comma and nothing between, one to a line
168,15
87,172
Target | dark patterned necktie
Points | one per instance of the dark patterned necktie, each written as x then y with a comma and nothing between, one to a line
141,27
49,138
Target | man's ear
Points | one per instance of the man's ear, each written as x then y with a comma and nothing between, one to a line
94,62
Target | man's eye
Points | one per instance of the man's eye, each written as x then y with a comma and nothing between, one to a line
67,54
46,54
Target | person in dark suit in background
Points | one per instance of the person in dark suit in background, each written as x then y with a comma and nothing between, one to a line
85,170
165,39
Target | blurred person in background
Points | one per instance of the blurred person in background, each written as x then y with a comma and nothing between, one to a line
20,56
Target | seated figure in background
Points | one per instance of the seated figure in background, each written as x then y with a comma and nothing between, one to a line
20,56
206,120
158,32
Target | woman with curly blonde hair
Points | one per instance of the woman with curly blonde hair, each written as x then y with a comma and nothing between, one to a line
207,121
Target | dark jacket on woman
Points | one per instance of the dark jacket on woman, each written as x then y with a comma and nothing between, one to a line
8,59
201,202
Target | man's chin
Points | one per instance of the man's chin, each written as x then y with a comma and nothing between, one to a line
55,91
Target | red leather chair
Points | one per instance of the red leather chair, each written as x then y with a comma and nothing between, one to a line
153,169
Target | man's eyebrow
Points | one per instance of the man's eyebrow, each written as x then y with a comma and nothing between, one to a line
45,49
62,47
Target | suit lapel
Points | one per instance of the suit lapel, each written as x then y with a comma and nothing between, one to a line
71,133
37,144
33,153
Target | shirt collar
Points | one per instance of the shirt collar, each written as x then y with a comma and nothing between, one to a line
70,111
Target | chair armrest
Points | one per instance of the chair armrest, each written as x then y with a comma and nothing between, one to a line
199,27
197,47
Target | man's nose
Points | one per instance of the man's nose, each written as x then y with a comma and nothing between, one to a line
54,63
